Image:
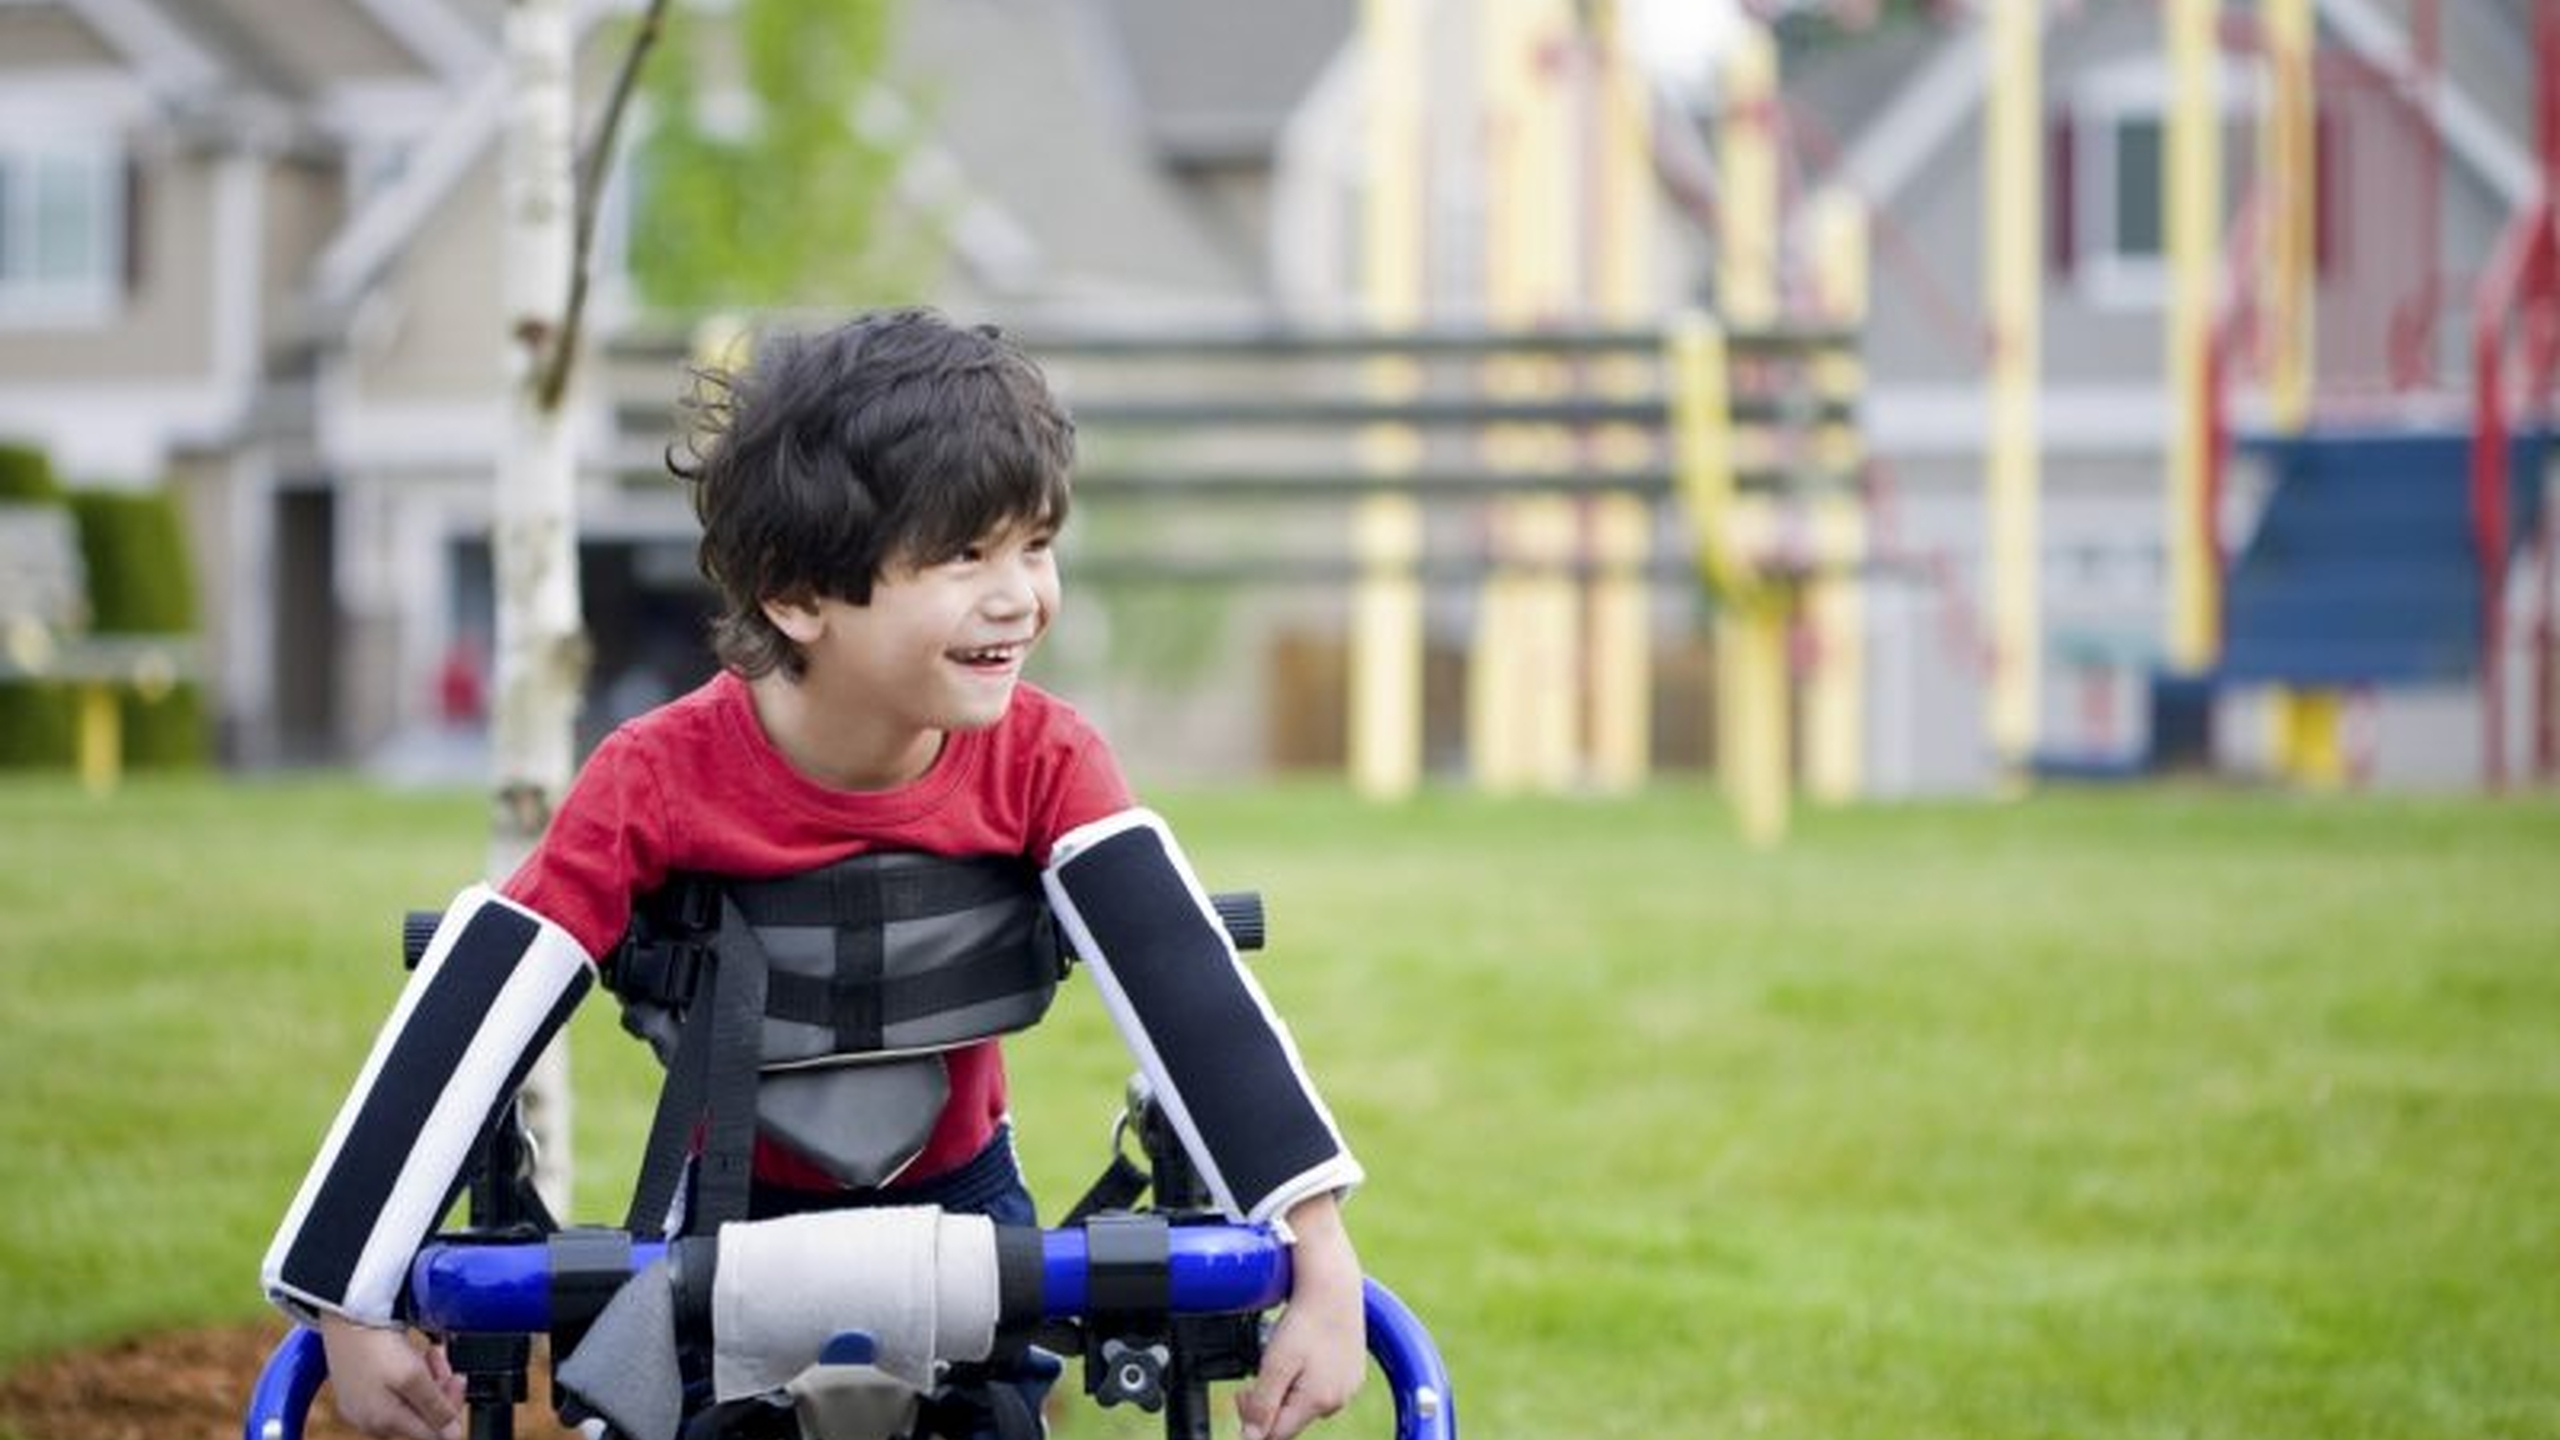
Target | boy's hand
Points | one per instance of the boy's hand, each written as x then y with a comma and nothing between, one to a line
1318,1354
387,1386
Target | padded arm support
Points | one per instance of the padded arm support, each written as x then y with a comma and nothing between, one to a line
1222,1064
494,985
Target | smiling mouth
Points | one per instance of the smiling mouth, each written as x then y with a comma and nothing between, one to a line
991,657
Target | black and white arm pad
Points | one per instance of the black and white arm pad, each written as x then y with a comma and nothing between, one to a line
1222,1064
494,985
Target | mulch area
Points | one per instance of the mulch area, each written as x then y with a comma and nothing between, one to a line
180,1385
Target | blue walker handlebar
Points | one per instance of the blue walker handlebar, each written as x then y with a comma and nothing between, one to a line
462,1288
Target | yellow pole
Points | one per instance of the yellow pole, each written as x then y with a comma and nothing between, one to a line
2289,162
1702,463
2306,725
101,746
2191,193
2013,281
1750,636
1621,268
1526,681
1747,183
1384,742
1835,693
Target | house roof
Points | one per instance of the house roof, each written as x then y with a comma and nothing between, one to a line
290,50
1215,80
1892,143
1016,134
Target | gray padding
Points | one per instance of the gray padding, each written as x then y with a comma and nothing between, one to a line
626,1368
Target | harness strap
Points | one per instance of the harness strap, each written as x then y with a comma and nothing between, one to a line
880,888
729,1024
858,1005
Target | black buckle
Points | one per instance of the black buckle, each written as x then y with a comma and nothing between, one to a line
657,971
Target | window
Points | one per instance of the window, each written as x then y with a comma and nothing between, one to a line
2139,222
62,230
2110,222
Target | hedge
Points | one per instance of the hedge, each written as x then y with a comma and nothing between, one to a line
140,583
26,476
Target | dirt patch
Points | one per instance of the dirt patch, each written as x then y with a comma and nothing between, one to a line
180,1385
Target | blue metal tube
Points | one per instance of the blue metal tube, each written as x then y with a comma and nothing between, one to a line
460,1288
1426,1408
285,1387
457,1288
1215,1270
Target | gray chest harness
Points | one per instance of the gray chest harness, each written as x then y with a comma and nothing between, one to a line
815,1008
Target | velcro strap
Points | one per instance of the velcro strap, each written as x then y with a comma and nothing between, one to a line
858,1012
882,889
1021,1278
588,1264
1129,1265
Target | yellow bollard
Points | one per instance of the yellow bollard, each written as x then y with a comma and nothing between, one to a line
1751,716
101,745
2310,738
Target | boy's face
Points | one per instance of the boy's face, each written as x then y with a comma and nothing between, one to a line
941,645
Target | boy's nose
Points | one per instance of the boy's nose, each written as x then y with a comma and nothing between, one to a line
1016,590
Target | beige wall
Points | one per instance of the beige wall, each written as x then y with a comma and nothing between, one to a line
48,40
319,41
304,203
439,305
162,332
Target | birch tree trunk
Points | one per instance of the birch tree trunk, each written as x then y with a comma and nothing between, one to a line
541,659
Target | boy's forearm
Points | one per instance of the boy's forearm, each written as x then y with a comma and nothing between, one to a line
1320,1252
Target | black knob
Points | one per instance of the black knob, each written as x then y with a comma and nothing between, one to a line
1133,1374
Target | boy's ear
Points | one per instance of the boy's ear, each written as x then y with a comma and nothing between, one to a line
795,616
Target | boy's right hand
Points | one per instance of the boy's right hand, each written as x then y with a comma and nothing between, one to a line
388,1386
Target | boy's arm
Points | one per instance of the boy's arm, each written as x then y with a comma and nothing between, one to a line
1222,1065
495,984
1317,1355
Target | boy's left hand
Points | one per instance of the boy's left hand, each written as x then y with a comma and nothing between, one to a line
1318,1354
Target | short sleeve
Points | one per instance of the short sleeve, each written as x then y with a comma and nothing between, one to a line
605,844
1086,784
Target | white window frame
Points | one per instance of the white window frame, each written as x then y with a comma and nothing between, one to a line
2101,103
81,122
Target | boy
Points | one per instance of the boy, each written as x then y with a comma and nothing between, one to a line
879,505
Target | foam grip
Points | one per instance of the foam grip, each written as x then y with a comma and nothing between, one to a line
494,985
1224,1068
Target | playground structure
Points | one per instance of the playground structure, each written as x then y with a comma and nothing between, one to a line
2386,551
1527,434
1557,456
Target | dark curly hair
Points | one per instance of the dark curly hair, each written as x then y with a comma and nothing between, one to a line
897,438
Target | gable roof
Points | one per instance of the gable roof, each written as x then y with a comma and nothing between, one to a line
1040,141
1896,144
171,61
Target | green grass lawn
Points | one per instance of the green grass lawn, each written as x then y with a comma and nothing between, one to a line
2128,1115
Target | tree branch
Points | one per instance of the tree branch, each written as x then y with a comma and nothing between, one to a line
591,180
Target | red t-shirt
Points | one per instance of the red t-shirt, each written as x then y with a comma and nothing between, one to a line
694,785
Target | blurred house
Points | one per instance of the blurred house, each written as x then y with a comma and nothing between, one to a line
250,246
2424,148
